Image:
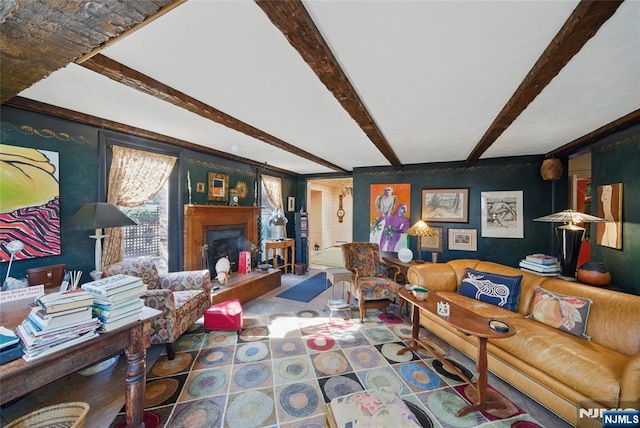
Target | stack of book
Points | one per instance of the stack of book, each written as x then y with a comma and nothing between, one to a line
541,264
116,300
57,321
9,345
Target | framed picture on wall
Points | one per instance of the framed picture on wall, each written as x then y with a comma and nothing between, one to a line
445,205
218,185
200,187
291,203
463,239
434,244
502,214
610,208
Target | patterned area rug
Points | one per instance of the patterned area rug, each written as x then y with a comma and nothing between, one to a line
282,369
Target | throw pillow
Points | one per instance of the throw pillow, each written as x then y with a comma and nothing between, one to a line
500,290
567,313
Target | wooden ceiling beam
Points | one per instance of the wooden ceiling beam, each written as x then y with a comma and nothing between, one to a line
578,144
293,20
49,109
138,81
42,36
584,22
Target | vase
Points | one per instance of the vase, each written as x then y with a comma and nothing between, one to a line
594,273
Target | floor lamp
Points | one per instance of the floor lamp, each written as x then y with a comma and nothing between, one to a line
569,237
99,215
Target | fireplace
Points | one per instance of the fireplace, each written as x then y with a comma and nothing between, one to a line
235,227
224,241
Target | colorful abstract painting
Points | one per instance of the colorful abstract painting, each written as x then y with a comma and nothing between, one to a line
390,215
610,209
29,201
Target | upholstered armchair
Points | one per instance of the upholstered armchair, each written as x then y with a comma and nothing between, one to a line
181,296
371,287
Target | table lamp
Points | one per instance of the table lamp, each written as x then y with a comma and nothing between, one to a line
13,247
421,228
98,215
569,238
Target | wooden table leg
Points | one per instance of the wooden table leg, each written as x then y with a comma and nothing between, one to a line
136,354
415,331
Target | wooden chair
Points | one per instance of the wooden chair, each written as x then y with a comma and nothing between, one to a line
371,287
183,297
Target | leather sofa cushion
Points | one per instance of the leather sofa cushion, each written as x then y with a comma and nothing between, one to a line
591,369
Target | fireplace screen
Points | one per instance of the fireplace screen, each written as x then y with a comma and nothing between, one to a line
224,242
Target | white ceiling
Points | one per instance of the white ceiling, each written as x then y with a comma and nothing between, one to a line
433,75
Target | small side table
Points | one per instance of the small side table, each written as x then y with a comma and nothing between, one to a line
286,245
336,275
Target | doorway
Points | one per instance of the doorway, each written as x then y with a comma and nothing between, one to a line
327,230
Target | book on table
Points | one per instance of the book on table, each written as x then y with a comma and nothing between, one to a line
107,312
121,298
59,319
112,285
539,267
34,354
549,274
32,339
58,302
7,338
543,259
122,321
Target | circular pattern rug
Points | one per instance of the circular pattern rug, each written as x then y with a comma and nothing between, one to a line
390,352
214,357
364,357
206,383
299,399
197,414
165,367
251,352
419,376
338,386
249,409
307,313
390,318
221,338
292,369
254,333
403,331
330,363
444,371
424,419
160,390
252,375
320,342
380,335
287,347
378,378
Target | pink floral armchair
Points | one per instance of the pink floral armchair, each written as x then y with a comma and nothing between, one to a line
371,286
183,297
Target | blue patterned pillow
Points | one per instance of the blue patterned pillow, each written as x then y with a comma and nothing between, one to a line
500,290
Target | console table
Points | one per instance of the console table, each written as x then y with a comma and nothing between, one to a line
19,377
466,322
286,245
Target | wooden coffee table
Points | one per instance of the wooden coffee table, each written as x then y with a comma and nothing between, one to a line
466,322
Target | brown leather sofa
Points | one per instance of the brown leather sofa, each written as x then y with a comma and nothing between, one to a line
561,371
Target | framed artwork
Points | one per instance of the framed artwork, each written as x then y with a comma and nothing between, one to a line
30,200
463,239
291,203
200,187
445,205
610,208
389,215
218,185
502,214
434,244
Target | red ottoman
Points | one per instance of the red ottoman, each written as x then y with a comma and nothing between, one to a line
226,315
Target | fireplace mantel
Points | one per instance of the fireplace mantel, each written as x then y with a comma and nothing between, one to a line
198,217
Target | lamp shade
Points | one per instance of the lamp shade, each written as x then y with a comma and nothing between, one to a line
98,215
421,228
570,216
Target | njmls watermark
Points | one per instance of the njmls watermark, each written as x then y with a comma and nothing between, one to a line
612,418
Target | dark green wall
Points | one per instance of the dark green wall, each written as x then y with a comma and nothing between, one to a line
486,176
77,146
617,160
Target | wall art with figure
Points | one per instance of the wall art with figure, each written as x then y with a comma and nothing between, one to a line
29,201
610,208
390,216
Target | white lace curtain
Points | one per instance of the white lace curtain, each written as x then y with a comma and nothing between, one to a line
135,177
272,187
